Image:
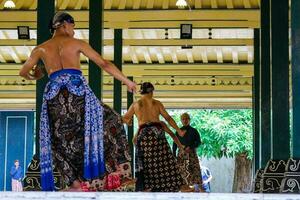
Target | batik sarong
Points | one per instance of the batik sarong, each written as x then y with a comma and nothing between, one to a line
156,167
189,167
85,138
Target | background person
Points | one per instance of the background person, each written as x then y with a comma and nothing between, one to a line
187,158
206,178
16,173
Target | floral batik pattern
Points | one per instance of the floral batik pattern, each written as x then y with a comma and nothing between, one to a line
66,113
116,150
72,113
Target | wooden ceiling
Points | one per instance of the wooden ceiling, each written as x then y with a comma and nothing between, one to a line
215,73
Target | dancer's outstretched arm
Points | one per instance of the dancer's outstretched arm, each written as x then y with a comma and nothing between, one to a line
127,117
30,70
106,65
170,120
173,136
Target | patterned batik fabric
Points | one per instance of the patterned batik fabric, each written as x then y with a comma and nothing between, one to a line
116,150
67,124
156,167
68,90
93,156
189,167
66,114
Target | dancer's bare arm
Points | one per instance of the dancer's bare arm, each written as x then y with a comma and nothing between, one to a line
134,139
173,136
31,65
127,117
169,119
106,65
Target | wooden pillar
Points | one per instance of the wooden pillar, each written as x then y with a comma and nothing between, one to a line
256,102
280,80
265,84
96,41
295,18
130,128
45,12
274,172
118,46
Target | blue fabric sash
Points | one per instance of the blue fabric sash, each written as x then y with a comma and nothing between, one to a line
75,83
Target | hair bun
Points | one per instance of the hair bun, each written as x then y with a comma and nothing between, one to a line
146,88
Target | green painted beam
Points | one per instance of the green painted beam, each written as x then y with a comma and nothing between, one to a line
130,130
256,101
280,79
96,41
295,20
45,11
118,46
265,84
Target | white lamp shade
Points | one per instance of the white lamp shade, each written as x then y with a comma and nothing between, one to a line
181,3
9,4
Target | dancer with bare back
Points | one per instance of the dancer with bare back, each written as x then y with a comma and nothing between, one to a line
156,167
81,136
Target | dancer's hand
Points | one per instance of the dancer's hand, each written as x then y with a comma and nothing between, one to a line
181,146
134,139
127,121
131,86
37,72
181,133
187,149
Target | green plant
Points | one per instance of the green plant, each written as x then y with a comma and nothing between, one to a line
223,132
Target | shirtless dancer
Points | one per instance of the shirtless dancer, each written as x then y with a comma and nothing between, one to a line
156,167
75,127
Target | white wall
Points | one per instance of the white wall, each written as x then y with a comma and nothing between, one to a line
222,171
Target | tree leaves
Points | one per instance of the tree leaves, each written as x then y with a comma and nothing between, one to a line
223,132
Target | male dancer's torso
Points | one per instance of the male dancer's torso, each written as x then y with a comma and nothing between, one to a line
60,52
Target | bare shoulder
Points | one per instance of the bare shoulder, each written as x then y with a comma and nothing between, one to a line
45,44
157,102
138,103
39,49
79,41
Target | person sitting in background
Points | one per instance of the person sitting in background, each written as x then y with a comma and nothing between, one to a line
206,178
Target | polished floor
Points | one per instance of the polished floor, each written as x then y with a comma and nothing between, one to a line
141,196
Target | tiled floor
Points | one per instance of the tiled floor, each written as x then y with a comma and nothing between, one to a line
141,196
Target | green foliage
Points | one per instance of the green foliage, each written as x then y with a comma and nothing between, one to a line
223,132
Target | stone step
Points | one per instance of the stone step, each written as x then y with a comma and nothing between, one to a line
141,196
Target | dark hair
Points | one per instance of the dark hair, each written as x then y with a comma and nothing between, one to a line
146,88
58,19
185,115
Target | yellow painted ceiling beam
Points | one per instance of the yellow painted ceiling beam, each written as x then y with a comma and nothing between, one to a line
147,15
150,42
150,66
142,70
170,105
194,88
147,24
181,94
157,18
